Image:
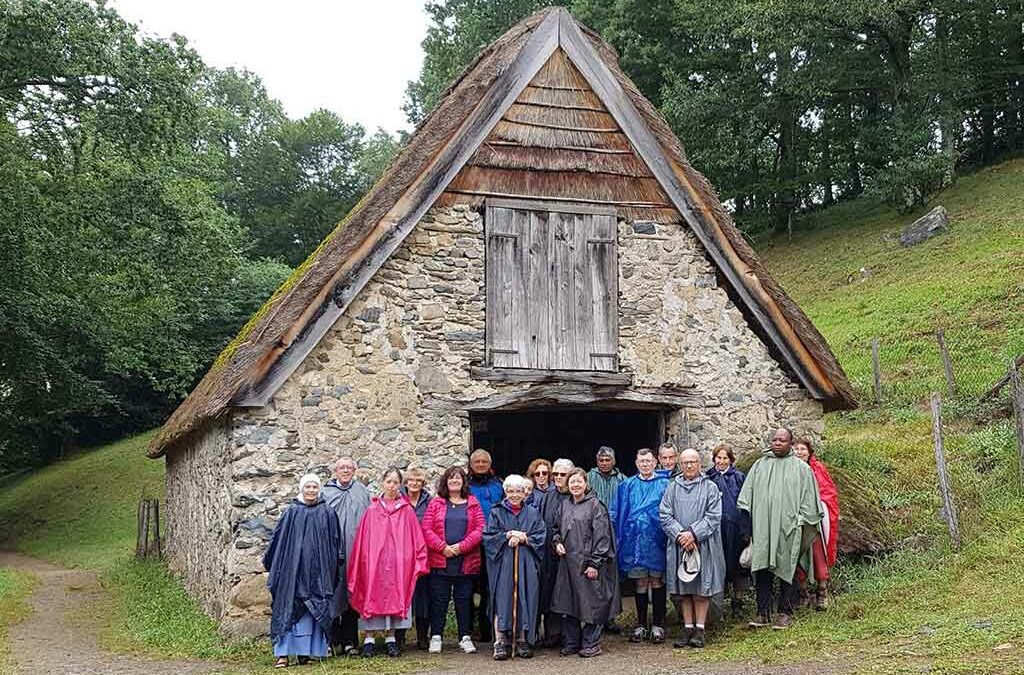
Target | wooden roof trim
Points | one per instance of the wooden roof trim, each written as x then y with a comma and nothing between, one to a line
551,198
279,364
608,89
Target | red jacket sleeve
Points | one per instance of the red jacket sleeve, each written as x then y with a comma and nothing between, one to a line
433,525
475,527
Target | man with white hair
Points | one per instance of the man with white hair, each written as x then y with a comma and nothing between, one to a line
349,498
551,512
691,516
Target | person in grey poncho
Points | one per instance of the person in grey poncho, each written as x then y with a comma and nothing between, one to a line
349,498
691,513
587,585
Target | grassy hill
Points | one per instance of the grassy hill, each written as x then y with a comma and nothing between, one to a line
923,606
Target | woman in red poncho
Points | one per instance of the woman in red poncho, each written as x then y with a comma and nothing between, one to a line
824,548
388,556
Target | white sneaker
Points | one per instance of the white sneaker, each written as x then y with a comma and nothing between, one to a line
466,645
435,644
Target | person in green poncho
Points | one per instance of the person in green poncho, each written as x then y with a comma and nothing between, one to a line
782,498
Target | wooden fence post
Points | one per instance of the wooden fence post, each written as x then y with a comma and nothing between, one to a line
156,528
140,535
947,363
1017,401
945,490
876,368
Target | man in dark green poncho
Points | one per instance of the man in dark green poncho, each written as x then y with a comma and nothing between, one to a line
782,498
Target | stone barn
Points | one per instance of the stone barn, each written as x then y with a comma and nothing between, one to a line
539,272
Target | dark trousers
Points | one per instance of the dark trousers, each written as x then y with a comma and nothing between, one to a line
346,629
445,588
578,636
764,582
483,617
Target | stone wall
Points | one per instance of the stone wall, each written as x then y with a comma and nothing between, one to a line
199,517
411,335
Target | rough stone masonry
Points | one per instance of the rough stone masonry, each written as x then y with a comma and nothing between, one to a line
409,338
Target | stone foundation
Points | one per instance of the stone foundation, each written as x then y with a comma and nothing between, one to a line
411,335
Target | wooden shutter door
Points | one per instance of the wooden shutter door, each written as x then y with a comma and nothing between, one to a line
552,286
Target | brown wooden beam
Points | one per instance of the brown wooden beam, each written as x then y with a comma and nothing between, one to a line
574,393
539,376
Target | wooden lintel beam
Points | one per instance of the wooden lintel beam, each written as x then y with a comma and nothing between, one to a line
540,376
573,393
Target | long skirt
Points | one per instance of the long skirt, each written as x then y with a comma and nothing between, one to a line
386,621
304,638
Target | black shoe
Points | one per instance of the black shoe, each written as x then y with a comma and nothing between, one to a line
613,628
392,649
524,650
501,651
737,609
684,638
569,651
697,639
591,652
551,641
367,652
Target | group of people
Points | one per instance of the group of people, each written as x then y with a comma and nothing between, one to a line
548,553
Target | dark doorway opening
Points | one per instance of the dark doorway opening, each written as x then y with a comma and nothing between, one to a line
514,439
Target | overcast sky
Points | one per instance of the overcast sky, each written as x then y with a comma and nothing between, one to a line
353,57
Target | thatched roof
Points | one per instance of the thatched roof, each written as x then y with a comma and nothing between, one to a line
503,118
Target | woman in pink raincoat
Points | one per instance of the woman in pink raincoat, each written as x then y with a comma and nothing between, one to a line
388,556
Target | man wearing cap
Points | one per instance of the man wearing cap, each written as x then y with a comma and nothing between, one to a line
691,512
781,496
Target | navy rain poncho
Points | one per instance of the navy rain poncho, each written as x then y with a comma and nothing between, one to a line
302,560
500,557
735,523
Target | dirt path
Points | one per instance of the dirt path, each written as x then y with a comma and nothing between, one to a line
620,658
47,643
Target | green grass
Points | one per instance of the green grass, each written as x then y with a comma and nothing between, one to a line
81,512
14,590
969,281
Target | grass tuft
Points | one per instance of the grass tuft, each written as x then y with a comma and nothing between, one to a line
15,588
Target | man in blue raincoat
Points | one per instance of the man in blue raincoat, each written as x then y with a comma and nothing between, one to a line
641,542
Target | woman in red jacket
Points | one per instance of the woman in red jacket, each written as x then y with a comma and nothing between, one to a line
825,546
453,528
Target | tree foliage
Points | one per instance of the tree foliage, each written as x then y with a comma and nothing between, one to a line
150,204
788,107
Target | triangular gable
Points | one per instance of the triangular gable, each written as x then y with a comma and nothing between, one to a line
443,151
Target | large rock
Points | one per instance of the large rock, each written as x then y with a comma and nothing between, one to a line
251,592
927,226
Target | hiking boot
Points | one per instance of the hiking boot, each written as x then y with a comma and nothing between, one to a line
821,603
524,650
684,638
782,622
568,651
591,652
435,644
392,649
657,635
697,639
367,652
759,621
350,650
501,651
639,634
466,645
612,628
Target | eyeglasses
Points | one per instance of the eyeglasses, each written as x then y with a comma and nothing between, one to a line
559,473
690,461
540,473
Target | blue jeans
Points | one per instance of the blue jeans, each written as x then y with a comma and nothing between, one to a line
444,588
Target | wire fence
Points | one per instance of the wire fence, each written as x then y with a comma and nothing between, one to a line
962,362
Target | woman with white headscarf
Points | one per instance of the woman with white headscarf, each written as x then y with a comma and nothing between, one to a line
302,560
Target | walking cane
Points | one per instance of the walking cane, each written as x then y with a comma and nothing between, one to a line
515,596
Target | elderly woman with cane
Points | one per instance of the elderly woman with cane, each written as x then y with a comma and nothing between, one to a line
514,542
